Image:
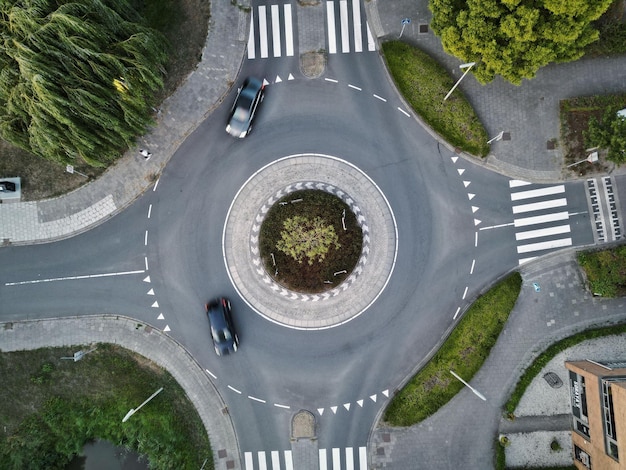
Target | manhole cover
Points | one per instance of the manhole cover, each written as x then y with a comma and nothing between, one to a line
553,380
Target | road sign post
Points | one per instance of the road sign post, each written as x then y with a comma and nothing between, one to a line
405,21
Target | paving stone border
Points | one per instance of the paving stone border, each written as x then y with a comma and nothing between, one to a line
240,242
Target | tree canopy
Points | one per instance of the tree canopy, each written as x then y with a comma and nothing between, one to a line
77,78
610,134
514,38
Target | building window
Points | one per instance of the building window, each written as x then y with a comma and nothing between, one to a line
582,457
608,414
578,394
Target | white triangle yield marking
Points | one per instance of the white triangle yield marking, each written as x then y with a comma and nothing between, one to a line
360,403
470,196
461,171
167,328
278,79
150,292
474,209
476,222
454,159
373,398
155,304
466,183
290,77
333,409
320,411
347,406
160,317
386,393
265,82
147,279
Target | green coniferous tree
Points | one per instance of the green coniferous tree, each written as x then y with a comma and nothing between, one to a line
77,78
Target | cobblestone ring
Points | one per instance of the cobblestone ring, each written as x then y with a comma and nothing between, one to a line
241,251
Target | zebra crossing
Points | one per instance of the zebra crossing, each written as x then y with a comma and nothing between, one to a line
542,219
348,458
272,29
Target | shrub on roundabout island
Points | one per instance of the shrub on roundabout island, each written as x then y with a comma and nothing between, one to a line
310,241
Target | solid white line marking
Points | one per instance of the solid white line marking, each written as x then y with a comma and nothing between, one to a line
538,192
288,460
535,206
543,232
495,226
277,405
336,459
345,38
518,183
349,459
540,219
156,184
362,458
275,460
288,31
465,293
356,24
354,87
526,260
322,459
380,98
262,463
145,258
404,112
210,373
251,51
458,309
371,45
145,238
330,18
256,399
263,31
249,461
234,389
472,268
331,80
74,278
275,30
476,239
544,245
149,210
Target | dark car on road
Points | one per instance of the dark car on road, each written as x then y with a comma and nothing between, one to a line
223,332
249,95
7,186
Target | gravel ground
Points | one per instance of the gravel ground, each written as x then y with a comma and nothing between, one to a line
532,449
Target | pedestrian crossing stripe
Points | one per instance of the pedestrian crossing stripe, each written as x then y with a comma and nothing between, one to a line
277,460
273,27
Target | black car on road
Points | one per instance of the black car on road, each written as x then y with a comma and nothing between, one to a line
223,332
249,95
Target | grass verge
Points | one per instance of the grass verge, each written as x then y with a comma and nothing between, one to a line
465,350
57,406
546,356
424,84
605,271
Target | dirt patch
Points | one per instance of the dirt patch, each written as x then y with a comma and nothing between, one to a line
303,425
313,64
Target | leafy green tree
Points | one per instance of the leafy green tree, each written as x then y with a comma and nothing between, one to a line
77,78
514,38
304,238
610,134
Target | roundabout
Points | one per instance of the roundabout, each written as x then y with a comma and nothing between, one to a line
240,241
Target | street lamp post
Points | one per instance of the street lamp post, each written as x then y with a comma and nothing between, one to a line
476,392
468,66
133,410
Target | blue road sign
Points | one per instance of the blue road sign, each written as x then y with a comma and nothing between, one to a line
406,20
